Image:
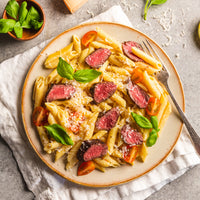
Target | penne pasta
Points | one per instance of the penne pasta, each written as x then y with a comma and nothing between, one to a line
40,89
149,59
76,116
53,59
109,40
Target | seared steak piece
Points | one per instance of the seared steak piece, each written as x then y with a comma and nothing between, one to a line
108,120
138,95
60,92
91,149
97,58
102,91
131,136
126,46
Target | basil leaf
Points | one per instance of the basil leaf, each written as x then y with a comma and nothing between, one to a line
157,2
6,25
36,24
149,3
151,140
18,30
141,121
146,9
154,122
23,12
12,8
86,75
33,14
59,134
64,69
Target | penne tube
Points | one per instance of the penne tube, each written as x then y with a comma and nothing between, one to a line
98,44
71,157
164,117
51,146
53,59
51,119
116,153
91,124
112,161
118,70
143,152
83,55
112,135
109,40
62,151
99,167
99,134
147,58
43,135
77,43
104,106
146,67
102,162
149,83
39,92
118,99
163,104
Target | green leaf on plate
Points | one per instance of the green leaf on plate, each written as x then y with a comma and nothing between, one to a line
154,122
59,134
64,69
86,75
151,140
141,121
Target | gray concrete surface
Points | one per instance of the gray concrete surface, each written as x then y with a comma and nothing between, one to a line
172,25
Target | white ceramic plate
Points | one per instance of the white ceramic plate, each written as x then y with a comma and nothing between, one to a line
112,176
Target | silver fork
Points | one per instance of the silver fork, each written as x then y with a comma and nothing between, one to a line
163,77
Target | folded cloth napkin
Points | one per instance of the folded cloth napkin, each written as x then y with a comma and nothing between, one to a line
43,182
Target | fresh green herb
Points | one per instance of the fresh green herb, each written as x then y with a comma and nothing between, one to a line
23,18
18,30
12,8
7,25
23,12
152,138
145,123
86,75
33,14
65,70
141,121
154,122
59,134
149,3
36,24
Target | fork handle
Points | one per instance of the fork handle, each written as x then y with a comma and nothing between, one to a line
192,132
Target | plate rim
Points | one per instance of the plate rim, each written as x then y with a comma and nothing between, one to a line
26,127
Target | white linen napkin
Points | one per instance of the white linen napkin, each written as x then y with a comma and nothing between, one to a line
43,182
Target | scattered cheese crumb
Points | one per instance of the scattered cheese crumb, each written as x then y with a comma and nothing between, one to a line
177,56
169,38
90,13
166,19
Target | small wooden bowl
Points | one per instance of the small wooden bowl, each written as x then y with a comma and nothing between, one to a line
28,34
